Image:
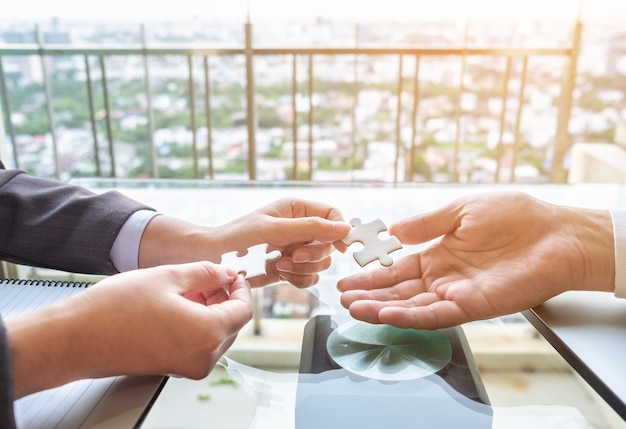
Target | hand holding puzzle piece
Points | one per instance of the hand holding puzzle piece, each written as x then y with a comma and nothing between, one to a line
374,247
253,262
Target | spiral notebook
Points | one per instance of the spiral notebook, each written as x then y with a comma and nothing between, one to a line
113,402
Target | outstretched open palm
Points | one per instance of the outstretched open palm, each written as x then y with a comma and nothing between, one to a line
498,253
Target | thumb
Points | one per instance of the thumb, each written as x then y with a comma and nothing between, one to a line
197,277
425,227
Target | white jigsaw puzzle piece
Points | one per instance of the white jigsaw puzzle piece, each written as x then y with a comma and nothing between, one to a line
374,247
253,262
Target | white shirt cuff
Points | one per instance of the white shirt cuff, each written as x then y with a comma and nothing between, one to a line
125,250
618,216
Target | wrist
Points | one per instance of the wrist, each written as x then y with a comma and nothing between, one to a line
168,240
43,351
594,230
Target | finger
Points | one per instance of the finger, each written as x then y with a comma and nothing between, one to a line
402,292
210,297
239,290
287,266
264,280
340,246
431,314
367,280
428,226
273,276
307,208
312,252
199,277
303,208
301,281
308,229
233,314
438,315
215,297
405,268
367,311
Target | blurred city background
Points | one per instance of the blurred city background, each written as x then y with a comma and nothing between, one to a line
470,92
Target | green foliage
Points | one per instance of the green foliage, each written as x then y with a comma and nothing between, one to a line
36,124
224,380
234,166
170,119
136,135
275,151
330,163
589,101
326,115
421,167
303,173
268,118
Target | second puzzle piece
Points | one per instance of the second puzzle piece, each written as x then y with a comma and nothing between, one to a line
374,247
253,262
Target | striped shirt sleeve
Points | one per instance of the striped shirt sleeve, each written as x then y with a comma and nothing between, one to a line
618,217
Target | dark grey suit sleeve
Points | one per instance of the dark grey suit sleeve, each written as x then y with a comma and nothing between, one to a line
52,224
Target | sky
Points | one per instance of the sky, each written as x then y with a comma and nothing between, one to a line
357,10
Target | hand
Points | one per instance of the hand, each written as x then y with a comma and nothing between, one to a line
498,254
176,319
305,232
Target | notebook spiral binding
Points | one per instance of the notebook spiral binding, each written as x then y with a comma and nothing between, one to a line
47,283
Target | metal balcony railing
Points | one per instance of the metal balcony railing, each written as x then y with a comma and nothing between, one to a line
403,151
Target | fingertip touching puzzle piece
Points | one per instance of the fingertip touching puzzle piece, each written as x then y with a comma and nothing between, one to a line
374,247
253,262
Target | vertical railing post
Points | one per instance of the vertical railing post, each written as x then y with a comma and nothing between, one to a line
294,122
504,98
92,117
150,115
565,106
192,113
518,118
310,152
107,109
6,105
396,164
207,106
458,111
355,101
251,105
416,93
49,106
